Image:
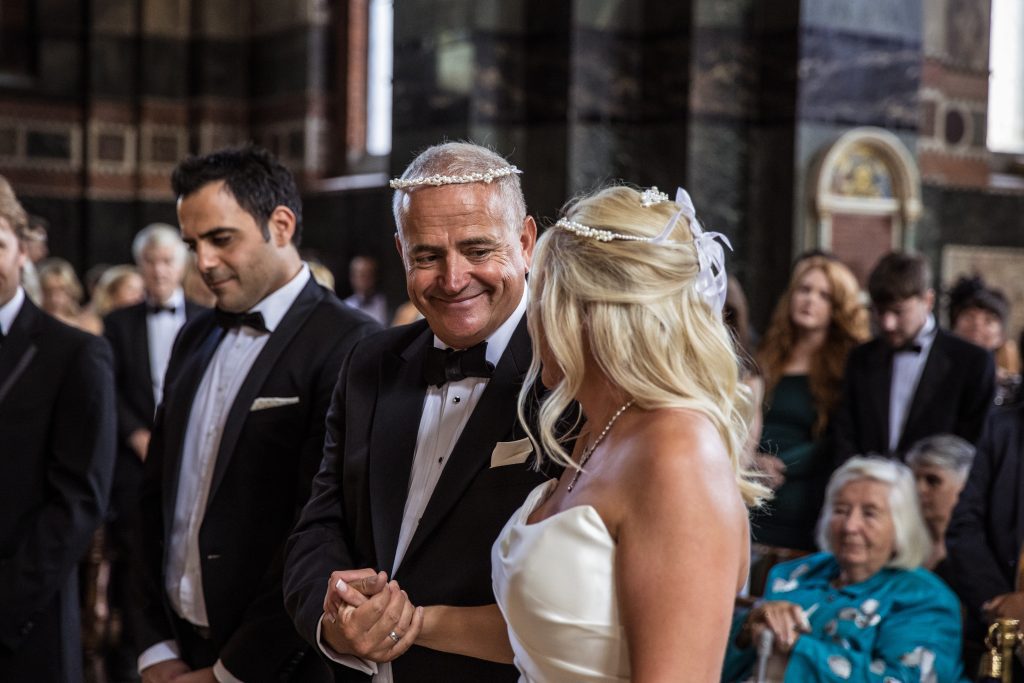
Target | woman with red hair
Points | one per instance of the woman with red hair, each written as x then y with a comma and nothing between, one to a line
816,323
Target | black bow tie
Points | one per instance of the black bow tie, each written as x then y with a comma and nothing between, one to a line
909,347
230,321
154,309
448,365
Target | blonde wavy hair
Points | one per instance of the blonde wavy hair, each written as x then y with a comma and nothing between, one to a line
634,306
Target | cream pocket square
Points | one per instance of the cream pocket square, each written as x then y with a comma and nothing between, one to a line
510,452
264,402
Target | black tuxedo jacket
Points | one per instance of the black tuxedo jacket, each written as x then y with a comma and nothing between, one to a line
953,396
127,333
354,515
261,479
986,533
56,463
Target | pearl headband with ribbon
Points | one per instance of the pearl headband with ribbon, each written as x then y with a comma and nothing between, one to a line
711,282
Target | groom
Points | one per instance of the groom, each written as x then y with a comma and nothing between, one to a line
424,460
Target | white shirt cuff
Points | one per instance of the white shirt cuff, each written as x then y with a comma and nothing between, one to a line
222,674
161,652
351,661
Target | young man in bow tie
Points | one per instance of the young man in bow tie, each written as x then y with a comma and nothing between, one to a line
914,379
239,434
140,337
424,461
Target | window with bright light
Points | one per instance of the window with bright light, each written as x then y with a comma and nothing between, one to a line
1006,82
378,96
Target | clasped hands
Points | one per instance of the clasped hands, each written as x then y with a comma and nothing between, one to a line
368,616
786,620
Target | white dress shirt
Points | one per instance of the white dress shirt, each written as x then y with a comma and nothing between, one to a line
217,391
9,311
907,367
161,329
446,410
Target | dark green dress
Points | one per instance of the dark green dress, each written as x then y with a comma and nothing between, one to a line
788,434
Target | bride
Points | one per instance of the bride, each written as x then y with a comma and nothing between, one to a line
626,567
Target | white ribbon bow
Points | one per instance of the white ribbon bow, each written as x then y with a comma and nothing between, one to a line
712,282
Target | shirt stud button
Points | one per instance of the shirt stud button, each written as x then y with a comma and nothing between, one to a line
457,399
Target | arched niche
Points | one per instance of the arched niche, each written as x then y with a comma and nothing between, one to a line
866,198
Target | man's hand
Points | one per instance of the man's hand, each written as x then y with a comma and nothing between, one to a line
351,587
197,676
165,671
365,631
139,441
785,619
1007,605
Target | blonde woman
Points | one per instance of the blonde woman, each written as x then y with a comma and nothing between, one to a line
626,567
62,296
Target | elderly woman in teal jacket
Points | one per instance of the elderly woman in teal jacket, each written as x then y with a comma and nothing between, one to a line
863,610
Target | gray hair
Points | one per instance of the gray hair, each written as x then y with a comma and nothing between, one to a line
158,235
947,451
463,158
912,541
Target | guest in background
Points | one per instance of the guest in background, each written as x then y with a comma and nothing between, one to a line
913,380
34,236
940,464
979,314
816,324
864,609
984,537
62,296
57,446
118,287
362,276
141,337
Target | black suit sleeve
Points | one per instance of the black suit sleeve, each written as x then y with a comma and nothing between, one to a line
79,471
318,544
266,640
975,568
128,418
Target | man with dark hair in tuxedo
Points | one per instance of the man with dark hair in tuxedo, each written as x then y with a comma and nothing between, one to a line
424,460
914,379
57,444
141,337
238,436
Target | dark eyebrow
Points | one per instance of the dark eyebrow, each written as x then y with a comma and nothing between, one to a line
213,233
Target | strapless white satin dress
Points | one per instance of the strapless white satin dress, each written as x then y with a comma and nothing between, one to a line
555,583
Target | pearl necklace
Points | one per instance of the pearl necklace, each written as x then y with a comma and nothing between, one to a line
589,451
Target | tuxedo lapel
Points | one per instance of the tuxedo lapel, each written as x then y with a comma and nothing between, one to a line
177,412
401,392
18,347
279,340
879,379
936,367
493,417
